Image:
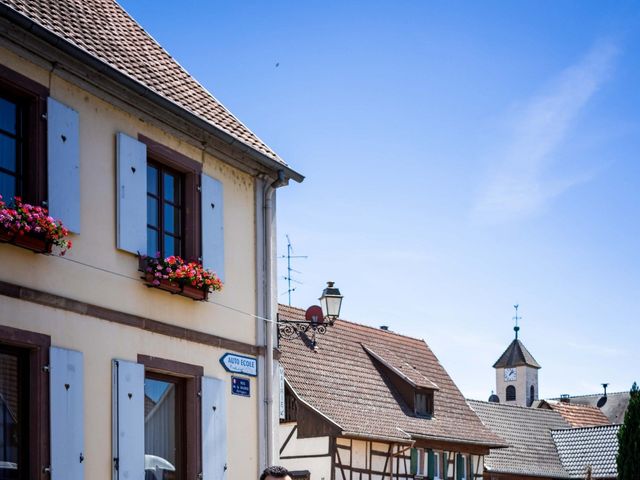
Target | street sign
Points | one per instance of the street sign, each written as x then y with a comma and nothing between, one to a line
240,386
239,364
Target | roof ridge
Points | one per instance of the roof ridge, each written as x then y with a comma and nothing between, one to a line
588,427
590,395
513,406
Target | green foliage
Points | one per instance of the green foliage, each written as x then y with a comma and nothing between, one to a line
629,439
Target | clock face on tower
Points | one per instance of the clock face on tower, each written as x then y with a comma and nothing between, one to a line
510,375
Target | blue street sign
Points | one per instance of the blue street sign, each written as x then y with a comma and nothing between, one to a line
240,386
239,364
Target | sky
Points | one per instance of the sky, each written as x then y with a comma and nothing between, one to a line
460,158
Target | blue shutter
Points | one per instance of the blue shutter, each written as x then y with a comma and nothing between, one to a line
67,414
128,420
131,195
413,464
459,466
214,429
431,463
212,225
63,169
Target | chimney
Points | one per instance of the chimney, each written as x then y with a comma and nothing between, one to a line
605,385
384,327
564,398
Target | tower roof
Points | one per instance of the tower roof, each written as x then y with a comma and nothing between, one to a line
515,355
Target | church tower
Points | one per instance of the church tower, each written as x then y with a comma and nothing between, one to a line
516,373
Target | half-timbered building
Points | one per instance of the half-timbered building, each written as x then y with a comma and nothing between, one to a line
368,403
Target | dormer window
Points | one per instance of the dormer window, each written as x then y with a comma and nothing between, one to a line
423,404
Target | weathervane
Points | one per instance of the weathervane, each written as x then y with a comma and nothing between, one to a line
516,318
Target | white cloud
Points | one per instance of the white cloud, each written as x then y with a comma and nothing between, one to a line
521,182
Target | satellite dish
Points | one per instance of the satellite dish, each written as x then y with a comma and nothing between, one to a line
314,315
602,401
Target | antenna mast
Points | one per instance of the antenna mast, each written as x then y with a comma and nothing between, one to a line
289,278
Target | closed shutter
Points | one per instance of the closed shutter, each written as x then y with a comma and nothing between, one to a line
471,472
212,225
63,169
431,467
459,466
131,203
128,420
445,465
214,429
67,414
414,461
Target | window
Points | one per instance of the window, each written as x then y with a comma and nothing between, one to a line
424,403
22,141
532,395
23,404
511,393
165,233
173,202
436,466
420,470
462,475
171,419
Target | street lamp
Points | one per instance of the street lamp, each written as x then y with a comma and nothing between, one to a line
331,301
315,316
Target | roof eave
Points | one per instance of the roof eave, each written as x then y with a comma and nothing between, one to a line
114,74
458,441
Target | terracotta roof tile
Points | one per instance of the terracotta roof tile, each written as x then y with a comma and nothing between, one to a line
106,31
341,380
580,415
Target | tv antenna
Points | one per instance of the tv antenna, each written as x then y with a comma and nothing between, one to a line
288,277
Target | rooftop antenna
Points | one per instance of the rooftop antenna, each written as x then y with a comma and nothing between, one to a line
516,318
289,278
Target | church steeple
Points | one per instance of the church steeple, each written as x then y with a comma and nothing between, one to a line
517,372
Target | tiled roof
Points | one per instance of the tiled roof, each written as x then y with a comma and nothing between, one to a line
590,446
515,355
614,405
528,432
341,381
580,415
105,30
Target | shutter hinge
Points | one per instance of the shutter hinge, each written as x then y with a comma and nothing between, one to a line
46,470
46,368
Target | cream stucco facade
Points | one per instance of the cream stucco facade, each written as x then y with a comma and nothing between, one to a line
95,273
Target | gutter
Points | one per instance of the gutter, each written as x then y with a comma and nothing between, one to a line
135,86
458,441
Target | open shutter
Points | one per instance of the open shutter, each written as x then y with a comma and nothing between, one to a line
212,225
214,429
128,420
445,465
459,467
431,467
414,461
471,472
131,195
63,169
67,414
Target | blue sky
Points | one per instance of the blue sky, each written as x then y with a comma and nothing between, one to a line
460,158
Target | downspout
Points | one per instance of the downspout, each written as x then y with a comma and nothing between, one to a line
270,312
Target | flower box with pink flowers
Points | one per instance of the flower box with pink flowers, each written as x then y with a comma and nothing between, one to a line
31,227
174,275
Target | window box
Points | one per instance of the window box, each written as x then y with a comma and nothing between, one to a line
174,275
31,227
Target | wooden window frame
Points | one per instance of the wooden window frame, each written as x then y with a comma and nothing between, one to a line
429,402
191,171
509,398
162,169
36,346
190,377
437,465
33,99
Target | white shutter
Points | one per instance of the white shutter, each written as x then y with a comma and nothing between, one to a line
212,225
63,169
131,195
67,414
214,429
128,420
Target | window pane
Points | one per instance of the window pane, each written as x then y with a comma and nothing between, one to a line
160,422
171,219
152,179
7,152
7,187
7,116
152,242
11,428
171,246
170,188
152,211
